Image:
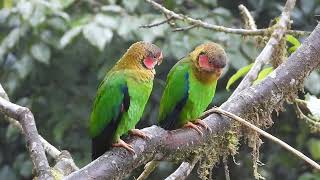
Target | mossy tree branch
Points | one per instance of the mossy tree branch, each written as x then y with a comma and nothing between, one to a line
281,85
264,57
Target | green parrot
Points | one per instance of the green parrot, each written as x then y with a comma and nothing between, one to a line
190,87
121,98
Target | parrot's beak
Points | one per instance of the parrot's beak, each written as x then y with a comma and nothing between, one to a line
219,72
160,59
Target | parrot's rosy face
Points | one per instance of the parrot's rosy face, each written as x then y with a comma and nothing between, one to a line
154,57
212,61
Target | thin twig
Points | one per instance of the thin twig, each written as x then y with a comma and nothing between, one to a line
172,24
214,27
226,168
148,169
156,24
268,50
248,19
183,170
267,135
184,28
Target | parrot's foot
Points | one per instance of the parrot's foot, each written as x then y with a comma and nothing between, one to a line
193,126
125,145
203,124
137,132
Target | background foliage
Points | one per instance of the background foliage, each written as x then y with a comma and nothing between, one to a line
54,53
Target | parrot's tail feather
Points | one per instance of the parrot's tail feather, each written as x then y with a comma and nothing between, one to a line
103,142
170,122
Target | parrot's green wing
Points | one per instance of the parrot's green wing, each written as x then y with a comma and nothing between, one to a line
111,100
175,94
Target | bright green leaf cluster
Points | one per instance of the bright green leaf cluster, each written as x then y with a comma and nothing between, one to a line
240,73
294,42
264,73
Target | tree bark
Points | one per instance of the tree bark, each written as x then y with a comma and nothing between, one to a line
282,84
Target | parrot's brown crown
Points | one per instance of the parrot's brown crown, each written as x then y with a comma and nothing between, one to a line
138,51
142,58
209,59
215,53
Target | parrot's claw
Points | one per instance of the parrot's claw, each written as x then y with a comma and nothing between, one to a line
125,145
203,124
193,126
139,133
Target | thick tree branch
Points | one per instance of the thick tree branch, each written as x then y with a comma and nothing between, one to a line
198,23
36,150
64,161
262,98
50,149
265,55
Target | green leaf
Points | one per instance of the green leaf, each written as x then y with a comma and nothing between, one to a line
6,172
314,148
4,13
82,20
169,4
98,36
25,8
24,66
295,42
312,82
291,39
7,4
125,30
26,168
22,165
41,52
112,8
313,104
38,15
66,3
309,6
69,35
210,2
12,133
9,41
264,73
309,176
293,49
131,5
106,21
240,73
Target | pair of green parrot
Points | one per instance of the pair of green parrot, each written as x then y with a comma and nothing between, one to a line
125,90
